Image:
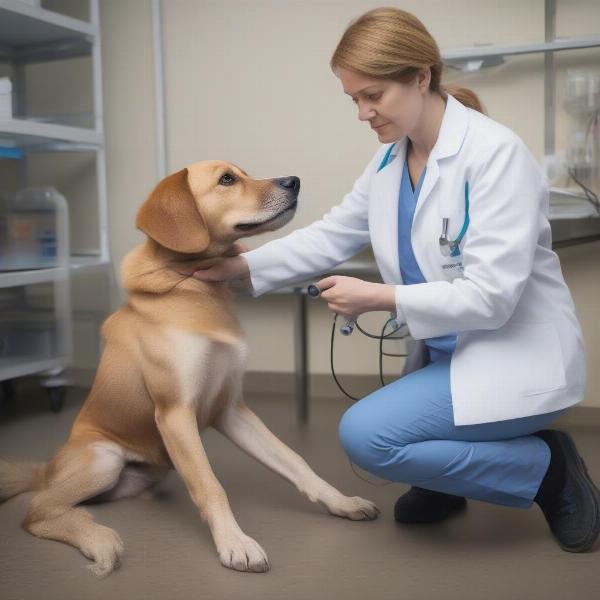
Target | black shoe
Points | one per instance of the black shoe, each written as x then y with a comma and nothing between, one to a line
567,496
420,505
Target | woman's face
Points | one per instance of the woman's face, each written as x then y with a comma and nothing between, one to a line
392,109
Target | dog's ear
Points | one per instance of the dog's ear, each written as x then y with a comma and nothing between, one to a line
169,216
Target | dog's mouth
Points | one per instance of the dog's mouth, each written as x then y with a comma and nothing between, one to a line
250,226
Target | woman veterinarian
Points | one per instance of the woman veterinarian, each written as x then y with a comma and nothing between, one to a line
499,353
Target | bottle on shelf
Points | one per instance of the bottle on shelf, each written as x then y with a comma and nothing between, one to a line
31,223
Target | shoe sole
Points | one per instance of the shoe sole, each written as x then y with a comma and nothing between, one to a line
578,469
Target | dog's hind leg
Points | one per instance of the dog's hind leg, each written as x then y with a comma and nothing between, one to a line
80,470
135,478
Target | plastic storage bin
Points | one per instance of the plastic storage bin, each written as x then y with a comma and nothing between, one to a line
31,221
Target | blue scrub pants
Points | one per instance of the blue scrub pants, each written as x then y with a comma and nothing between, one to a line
405,432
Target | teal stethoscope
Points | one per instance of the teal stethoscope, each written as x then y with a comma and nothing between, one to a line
447,247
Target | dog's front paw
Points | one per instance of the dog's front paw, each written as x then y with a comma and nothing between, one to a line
242,553
353,507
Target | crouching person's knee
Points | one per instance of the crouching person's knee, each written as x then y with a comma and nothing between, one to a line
357,437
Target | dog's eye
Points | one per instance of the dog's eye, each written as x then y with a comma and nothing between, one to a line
227,179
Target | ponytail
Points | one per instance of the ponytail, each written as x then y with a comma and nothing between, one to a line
464,95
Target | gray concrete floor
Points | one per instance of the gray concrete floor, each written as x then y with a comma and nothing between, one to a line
488,551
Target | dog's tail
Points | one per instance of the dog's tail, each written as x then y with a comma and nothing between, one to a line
17,477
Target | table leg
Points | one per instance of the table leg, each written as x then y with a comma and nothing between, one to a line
300,356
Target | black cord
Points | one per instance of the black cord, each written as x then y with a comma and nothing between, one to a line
380,337
589,194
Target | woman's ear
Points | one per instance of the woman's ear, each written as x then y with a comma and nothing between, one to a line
169,216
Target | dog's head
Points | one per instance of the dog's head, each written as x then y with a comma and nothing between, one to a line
215,201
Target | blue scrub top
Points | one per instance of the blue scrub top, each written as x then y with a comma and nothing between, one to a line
408,265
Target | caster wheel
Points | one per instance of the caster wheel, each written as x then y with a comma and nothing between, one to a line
57,398
7,393
8,389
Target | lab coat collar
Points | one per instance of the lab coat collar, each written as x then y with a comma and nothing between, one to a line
450,138
451,133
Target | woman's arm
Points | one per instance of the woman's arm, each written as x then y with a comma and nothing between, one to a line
309,251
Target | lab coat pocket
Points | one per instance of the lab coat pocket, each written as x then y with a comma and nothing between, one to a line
532,357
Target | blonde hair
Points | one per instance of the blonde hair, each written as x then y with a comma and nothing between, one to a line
390,43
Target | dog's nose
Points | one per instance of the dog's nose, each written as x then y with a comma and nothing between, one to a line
289,183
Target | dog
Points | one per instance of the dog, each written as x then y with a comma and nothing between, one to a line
172,364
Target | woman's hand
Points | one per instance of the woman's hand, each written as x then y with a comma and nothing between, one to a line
347,296
350,297
229,266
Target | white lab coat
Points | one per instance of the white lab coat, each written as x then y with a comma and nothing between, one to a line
520,349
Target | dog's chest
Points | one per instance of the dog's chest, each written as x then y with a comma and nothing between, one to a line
206,371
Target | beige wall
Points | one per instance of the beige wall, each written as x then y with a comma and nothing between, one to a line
248,81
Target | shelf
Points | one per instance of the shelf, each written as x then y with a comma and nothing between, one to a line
19,365
85,263
573,204
29,33
35,135
77,264
14,278
491,54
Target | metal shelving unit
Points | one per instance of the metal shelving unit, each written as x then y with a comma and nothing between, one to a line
578,230
30,34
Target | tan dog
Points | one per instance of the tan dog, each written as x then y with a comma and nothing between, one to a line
173,363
